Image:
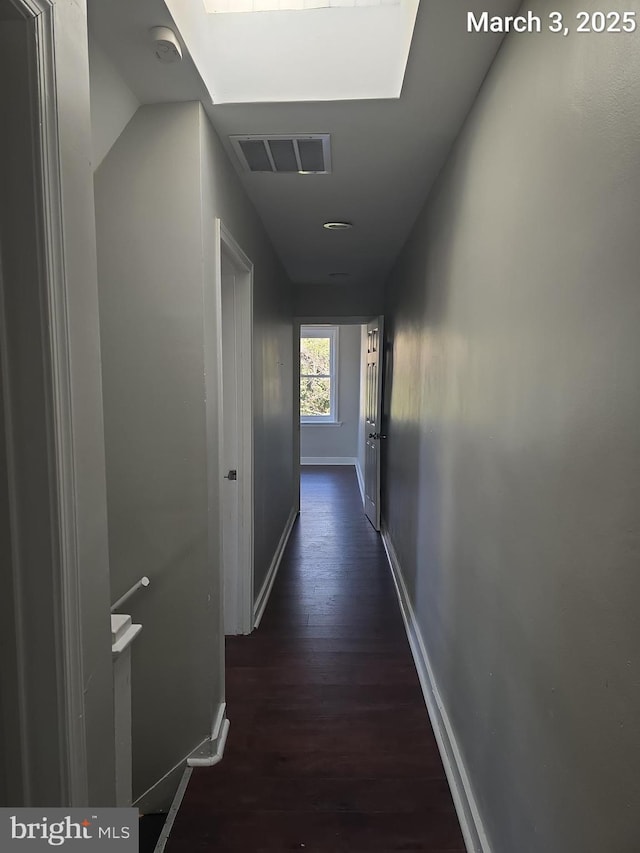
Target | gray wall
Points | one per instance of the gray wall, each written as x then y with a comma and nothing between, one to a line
339,441
157,193
513,460
337,300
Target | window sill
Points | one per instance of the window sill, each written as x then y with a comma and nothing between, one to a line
320,423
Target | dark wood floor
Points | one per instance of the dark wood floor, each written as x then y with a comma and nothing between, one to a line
330,747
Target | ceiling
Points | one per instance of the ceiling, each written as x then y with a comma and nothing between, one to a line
385,153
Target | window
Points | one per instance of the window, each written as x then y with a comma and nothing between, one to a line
318,374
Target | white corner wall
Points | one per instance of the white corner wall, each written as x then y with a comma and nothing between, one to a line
150,282
113,104
156,257
328,441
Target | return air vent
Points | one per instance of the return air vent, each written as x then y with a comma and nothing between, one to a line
302,153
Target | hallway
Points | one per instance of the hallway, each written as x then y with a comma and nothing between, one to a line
461,184
330,747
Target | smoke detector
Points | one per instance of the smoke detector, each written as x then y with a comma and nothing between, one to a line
165,44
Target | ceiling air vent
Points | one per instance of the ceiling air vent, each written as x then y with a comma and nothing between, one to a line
302,153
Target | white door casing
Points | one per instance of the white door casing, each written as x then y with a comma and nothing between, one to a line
373,418
230,450
58,614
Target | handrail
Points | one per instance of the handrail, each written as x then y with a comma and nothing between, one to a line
144,581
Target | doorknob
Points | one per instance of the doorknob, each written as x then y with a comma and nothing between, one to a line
376,435
232,475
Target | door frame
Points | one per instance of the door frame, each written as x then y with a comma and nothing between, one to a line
69,621
298,322
297,325
227,245
373,510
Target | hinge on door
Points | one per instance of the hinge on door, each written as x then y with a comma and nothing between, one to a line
232,475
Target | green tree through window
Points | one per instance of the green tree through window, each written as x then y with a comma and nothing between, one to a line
317,374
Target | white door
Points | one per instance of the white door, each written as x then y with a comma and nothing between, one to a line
373,418
236,435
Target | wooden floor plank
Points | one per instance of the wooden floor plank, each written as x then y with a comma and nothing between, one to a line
330,747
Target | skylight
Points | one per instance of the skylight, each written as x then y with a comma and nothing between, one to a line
234,6
337,50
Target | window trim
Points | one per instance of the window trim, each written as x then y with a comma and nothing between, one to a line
331,332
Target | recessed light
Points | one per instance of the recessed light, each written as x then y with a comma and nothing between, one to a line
337,226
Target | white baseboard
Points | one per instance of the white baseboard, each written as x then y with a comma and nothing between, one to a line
327,460
211,750
160,795
173,811
263,596
475,836
360,476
